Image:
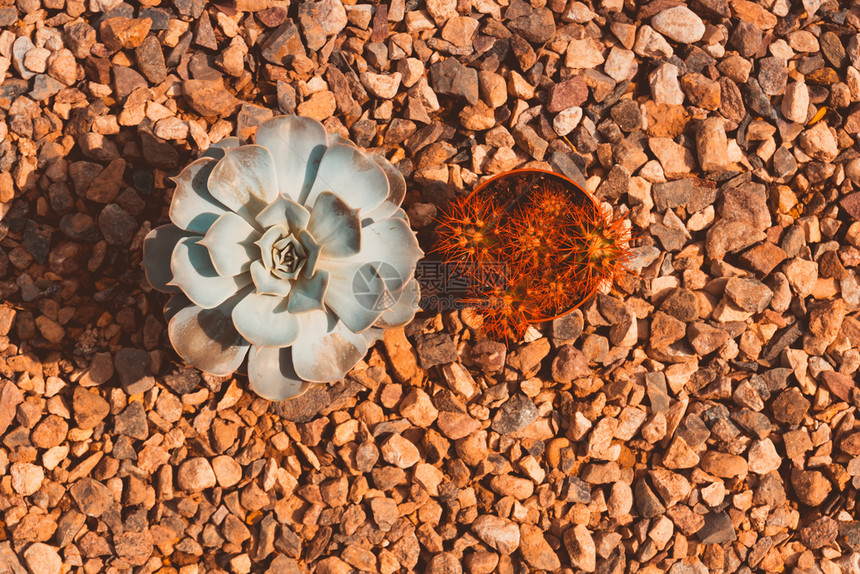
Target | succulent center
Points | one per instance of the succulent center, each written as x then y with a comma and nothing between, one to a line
282,253
285,255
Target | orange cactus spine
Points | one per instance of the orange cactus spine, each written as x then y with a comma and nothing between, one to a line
506,306
532,237
466,234
598,244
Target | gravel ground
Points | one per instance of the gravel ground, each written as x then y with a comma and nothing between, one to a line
699,418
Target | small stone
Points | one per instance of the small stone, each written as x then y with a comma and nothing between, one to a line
92,497
381,85
445,563
580,547
537,25
712,145
10,397
679,24
569,364
620,64
232,60
838,384
79,38
20,48
566,121
527,359
790,407
849,535
515,414
459,30
499,533
400,451
706,339
319,106
26,478
492,88
63,67
671,486
489,356
748,294
41,559
132,365
209,97
724,465
677,161
518,87
529,140
820,533
50,432
196,475
702,91
452,78
134,547
773,75
584,54
44,87
282,44
620,500
795,102
819,142
802,275
118,33
89,408
628,115
810,486
411,70
651,44
150,60
665,88
851,204
132,421
441,10
171,128
479,117
514,486
117,225
833,49
665,330
729,236
763,457
718,529
680,455
797,443
106,185
385,512
435,349
366,456
418,408
536,550
321,19
457,425
567,94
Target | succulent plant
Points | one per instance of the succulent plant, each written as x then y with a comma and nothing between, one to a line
293,253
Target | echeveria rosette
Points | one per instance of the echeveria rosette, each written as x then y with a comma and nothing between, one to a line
265,245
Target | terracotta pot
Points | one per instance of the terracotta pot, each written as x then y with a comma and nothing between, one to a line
513,188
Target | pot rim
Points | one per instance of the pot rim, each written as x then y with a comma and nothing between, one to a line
482,186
